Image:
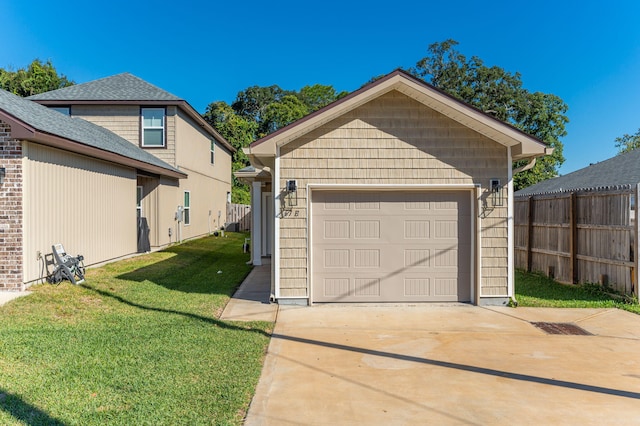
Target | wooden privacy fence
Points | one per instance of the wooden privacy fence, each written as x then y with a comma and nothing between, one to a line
240,214
579,237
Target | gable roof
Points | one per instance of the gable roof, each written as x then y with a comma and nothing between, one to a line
125,89
34,122
619,172
523,145
119,87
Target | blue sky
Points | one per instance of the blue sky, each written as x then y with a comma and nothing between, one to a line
586,52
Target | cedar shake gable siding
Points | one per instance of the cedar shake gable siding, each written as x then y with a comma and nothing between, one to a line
391,140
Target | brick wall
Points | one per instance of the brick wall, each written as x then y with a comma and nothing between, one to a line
10,211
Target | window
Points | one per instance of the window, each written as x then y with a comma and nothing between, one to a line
153,127
62,110
187,208
139,202
213,153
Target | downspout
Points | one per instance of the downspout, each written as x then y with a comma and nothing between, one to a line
275,256
510,239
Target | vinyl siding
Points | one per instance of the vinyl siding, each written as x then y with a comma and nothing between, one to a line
124,120
208,183
86,204
392,140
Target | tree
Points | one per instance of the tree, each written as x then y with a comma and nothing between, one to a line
252,102
499,93
278,114
318,96
38,77
239,132
626,143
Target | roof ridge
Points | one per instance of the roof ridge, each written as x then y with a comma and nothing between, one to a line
124,86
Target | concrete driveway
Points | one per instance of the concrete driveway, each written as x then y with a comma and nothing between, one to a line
453,364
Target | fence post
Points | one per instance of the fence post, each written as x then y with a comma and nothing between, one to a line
573,238
530,205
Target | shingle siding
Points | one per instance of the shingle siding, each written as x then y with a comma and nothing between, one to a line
392,140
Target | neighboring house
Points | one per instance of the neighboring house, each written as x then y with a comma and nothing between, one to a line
395,193
619,172
116,150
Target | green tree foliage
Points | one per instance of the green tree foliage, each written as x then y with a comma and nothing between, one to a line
38,77
258,111
279,114
626,143
499,93
239,132
319,96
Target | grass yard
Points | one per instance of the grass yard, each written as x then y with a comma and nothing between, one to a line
139,343
540,291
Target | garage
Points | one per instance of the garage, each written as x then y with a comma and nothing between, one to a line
395,193
391,246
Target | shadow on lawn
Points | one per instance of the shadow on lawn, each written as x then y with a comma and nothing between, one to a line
25,412
194,269
213,321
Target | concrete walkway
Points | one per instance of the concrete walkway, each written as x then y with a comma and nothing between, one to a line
441,365
6,296
251,301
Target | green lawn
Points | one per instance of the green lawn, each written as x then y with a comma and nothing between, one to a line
138,344
538,290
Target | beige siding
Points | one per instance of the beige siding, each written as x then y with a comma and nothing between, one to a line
397,141
86,204
124,120
208,183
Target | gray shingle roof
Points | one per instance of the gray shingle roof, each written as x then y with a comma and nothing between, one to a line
619,172
75,129
120,87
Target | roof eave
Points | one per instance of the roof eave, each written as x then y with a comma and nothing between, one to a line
420,91
22,131
80,148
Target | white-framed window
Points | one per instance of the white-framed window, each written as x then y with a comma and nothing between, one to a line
187,208
213,151
153,127
139,201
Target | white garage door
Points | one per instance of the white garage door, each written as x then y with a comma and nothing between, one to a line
384,246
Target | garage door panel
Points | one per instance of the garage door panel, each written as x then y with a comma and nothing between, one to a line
390,246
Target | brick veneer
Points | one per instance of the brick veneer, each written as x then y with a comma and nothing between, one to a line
10,211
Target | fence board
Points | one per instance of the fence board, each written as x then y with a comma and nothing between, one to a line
578,237
240,214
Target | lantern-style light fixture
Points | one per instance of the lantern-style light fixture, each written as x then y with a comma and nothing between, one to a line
496,195
292,194
3,173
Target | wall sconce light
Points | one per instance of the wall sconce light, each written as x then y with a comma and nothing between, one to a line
3,173
496,196
292,195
